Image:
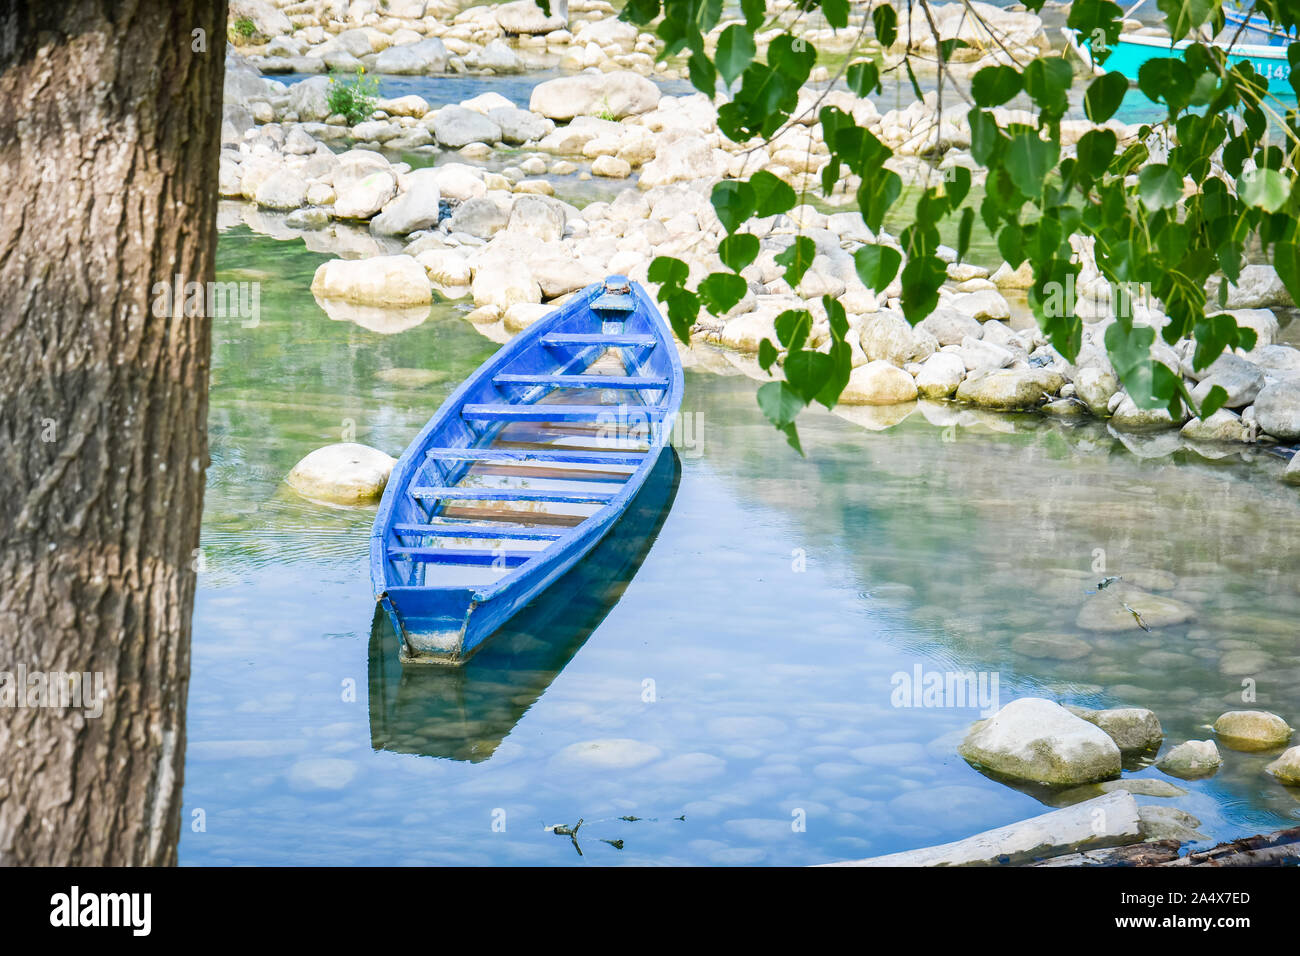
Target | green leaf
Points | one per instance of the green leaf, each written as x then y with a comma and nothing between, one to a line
1047,79
994,85
771,195
836,317
1266,189
957,187
797,258
985,136
755,12
792,327
1099,21
1160,186
1213,401
911,77
735,52
782,404
876,195
640,11
767,355
922,277
720,291
963,231
792,57
885,21
1168,79
683,310
863,78
807,372
877,265
704,77
667,271
1104,96
836,13
1286,260
1096,149
1184,16
1028,161
738,250
1130,159
733,201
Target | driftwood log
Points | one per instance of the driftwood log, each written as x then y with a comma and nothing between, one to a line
1267,849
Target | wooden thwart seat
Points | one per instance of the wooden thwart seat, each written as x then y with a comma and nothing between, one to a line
511,559
510,494
518,532
510,516
560,413
539,454
599,338
583,381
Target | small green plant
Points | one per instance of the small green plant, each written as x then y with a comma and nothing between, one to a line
354,99
244,28
605,112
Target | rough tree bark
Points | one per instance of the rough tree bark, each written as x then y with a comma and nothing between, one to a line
110,114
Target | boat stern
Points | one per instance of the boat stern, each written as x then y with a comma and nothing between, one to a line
431,623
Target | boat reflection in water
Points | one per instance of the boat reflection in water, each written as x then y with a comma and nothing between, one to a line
465,712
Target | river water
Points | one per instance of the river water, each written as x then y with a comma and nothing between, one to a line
724,670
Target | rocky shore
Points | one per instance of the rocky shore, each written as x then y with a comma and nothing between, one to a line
459,201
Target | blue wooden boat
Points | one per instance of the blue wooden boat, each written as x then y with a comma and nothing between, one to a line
464,713
524,468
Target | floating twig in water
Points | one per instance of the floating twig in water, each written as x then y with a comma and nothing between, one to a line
570,832
1138,617
1107,582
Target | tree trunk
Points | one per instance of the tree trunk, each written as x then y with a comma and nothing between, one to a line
109,141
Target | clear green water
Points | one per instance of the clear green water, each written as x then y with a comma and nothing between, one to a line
923,545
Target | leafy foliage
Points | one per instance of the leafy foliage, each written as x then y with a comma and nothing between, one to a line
354,99
1168,214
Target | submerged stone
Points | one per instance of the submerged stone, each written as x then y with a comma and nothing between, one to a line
1123,608
1286,767
1192,759
1252,730
1040,741
345,473
1132,728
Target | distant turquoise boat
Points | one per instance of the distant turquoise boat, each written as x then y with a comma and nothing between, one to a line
1255,29
1132,50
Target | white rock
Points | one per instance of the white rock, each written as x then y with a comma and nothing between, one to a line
1286,768
283,189
345,473
1040,741
380,280
618,94
458,181
939,375
1195,758
415,209
445,267
1277,409
537,216
365,198
611,167
982,306
1252,730
878,383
